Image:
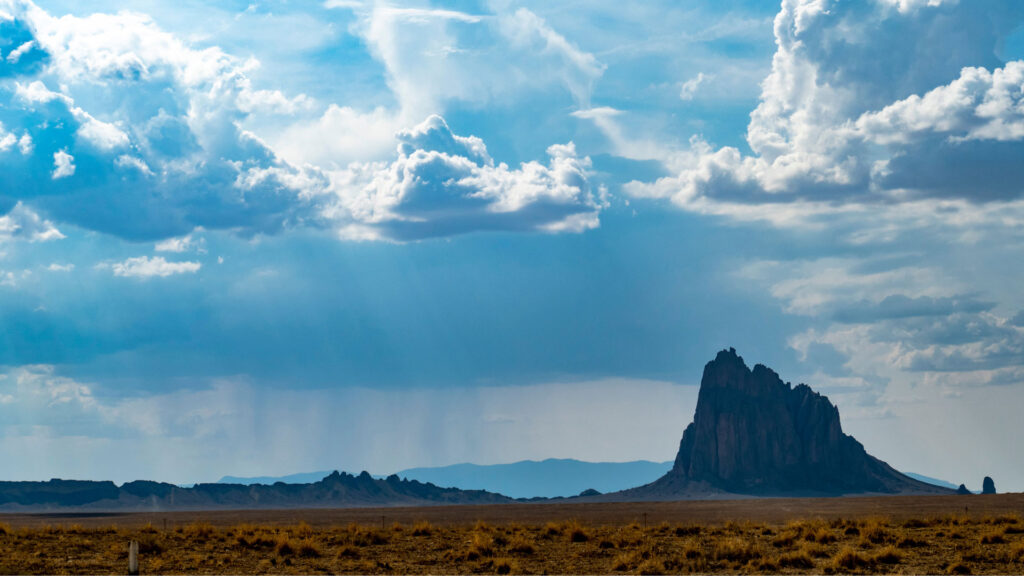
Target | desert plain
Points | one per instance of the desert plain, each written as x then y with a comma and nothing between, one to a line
893,534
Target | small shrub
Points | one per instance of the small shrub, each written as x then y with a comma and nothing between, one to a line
368,536
302,530
762,565
482,544
692,551
605,544
908,542
785,540
849,559
199,531
888,555
622,562
553,529
504,566
521,544
578,535
422,529
284,547
821,535
874,531
308,549
1004,519
958,567
801,560
348,552
651,566
735,550
149,545
687,530
995,537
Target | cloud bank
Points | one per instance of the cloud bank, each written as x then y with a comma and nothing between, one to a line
140,135
869,103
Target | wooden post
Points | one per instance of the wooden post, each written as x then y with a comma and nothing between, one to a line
133,558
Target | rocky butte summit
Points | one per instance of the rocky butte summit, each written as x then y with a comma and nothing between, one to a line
755,435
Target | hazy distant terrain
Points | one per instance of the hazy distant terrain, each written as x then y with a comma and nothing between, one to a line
527,479
931,480
530,478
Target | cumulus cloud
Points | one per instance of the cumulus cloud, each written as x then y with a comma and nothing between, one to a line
443,184
435,58
21,223
157,266
139,131
63,165
142,134
864,107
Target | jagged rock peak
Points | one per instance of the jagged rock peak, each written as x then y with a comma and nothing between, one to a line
753,433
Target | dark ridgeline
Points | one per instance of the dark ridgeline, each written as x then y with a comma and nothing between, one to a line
753,434
336,490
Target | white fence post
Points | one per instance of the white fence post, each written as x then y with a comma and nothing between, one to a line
133,558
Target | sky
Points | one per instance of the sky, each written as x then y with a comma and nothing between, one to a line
268,237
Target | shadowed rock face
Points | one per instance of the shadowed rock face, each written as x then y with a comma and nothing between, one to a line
754,434
988,486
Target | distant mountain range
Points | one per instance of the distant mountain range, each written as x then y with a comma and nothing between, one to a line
335,490
550,478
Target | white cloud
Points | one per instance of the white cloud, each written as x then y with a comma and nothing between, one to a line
350,4
443,184
146,267
863,108
63,165
340,136
21,223
55,267
690,87
181,137
182,244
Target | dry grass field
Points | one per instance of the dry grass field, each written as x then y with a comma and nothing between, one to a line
969,535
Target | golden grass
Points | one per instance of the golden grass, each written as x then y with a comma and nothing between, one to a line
951,544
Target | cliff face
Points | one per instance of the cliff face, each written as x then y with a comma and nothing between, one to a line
754,434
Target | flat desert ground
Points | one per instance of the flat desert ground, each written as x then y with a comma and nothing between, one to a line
893,534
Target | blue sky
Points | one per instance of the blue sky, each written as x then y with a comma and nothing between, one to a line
258,238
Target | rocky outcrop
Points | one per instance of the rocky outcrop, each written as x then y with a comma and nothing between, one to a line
988,486
337,490
963,491
753,434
